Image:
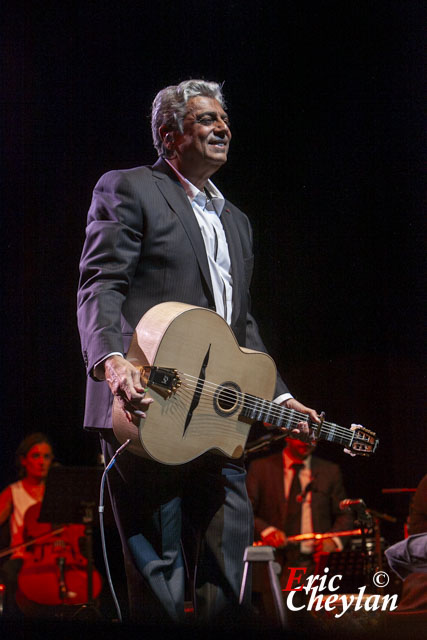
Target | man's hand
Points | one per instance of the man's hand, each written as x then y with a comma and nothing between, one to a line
275,538
124,381
302,427
323,546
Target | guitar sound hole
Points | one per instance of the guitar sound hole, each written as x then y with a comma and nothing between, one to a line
227,398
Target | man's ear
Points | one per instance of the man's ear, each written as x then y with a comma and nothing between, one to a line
167,137
165,133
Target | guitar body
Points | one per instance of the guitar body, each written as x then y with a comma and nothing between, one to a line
200,345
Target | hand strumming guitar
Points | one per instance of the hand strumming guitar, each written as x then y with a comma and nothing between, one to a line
125,383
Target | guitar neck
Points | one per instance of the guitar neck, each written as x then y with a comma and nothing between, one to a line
228,399
274,415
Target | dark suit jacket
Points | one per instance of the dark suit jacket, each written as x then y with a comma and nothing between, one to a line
265,485
144,246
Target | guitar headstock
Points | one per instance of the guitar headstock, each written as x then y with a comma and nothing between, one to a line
363,441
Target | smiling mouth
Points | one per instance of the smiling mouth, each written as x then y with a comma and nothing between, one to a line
220,144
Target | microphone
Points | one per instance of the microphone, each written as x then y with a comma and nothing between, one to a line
348,502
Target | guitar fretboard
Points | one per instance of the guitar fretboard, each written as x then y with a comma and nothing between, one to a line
274,415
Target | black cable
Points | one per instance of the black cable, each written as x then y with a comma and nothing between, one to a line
101,525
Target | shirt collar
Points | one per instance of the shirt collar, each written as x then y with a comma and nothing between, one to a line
288,461
199,197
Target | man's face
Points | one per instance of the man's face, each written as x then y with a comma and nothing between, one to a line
38,460
206,137
297,449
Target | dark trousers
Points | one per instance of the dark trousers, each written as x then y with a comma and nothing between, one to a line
193,519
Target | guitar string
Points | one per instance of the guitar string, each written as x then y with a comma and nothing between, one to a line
275,409
293,416
339,433
328,432
250,401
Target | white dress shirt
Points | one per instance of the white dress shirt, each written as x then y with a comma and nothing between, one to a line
207,207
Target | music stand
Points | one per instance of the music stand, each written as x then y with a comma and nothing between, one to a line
348,564
71,496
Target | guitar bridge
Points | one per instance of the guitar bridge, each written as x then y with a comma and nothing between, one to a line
164,381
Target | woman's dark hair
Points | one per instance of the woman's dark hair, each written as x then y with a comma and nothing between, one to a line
25,446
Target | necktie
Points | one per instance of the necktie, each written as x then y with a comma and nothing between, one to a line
293,510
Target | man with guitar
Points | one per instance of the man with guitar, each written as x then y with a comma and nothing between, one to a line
157,234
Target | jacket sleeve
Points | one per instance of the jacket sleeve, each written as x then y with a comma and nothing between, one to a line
108,262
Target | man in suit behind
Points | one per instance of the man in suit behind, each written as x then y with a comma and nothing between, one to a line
294,492
156,234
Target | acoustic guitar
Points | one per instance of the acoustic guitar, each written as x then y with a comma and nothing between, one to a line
208,391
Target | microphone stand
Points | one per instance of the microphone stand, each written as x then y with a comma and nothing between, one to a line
377,516
364,519
90,606
264,443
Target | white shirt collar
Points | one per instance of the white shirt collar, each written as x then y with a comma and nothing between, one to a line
200,198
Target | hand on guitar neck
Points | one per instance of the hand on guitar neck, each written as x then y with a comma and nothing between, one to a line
126,385
302,428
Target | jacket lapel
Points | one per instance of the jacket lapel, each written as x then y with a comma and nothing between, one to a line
174,193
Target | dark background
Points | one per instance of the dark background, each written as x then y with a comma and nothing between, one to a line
325,100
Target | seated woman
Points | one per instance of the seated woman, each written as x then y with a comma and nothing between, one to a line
34,457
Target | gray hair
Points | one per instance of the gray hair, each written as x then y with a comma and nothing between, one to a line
170,106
